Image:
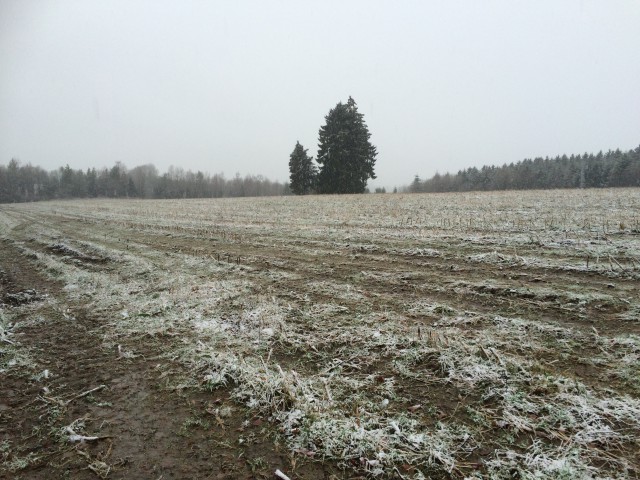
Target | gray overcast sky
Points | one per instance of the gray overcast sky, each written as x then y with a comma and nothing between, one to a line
229,86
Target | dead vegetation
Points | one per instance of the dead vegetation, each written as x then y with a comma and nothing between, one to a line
491,335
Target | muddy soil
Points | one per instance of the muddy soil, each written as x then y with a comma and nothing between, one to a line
149,426
146,428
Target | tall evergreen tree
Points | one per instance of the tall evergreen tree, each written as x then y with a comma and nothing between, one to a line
345,154
302,171
416,186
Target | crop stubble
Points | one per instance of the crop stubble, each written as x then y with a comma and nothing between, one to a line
480,335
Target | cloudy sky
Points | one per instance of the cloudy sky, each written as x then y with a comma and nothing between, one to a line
229,86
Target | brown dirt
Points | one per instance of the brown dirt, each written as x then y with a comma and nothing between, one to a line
159,432
149,430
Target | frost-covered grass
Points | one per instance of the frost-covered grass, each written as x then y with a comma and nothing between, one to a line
402,335
13,355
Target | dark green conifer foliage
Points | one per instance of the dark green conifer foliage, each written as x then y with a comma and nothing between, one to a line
611,169
345,154
302,171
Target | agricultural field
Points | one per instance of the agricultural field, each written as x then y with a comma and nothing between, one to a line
476,335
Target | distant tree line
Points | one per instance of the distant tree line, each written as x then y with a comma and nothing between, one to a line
26,183
611,169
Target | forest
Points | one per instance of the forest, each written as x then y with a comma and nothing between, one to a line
26,183
611,169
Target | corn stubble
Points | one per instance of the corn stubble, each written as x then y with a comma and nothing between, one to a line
476,335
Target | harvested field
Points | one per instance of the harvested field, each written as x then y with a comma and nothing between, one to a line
476,335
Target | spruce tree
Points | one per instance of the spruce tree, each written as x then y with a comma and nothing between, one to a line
302,171
345,154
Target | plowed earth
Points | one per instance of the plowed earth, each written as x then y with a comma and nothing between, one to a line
148,429
327,337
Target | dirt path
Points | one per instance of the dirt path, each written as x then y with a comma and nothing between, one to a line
146,429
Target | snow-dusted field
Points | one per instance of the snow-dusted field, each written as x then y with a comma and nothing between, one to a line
477,335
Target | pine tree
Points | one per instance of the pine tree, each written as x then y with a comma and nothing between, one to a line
416,186
302,171
345,154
